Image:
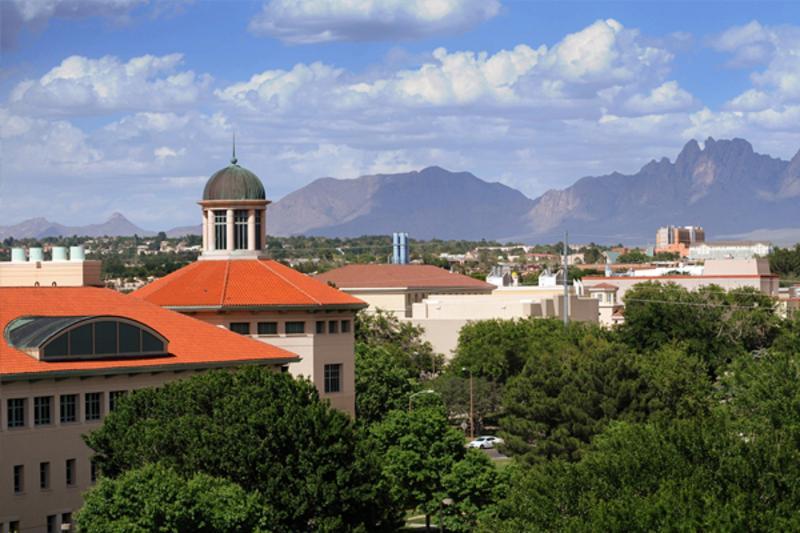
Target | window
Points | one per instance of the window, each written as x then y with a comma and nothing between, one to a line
267,328
220,230
243,328
240,229
345,326
113,397
93,406
70,471
44,475
333,326
51,523
13,526
103,338
19,479
320,327
66,520
295,328
42,410
333,374
16,412
69,408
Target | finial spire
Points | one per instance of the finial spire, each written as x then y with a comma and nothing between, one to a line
233,159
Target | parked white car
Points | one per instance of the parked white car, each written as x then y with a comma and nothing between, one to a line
485,441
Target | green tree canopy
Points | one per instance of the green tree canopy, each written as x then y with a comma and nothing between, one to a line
383,382
155,498
383,329
264,431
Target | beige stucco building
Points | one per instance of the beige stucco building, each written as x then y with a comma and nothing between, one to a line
396,288
66,356
232,285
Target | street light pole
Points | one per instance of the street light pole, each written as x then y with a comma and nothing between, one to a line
471,404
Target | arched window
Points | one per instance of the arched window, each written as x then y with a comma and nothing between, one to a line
62,338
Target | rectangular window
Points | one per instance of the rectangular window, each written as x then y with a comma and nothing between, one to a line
16,412
93,407
294,328
66,520
42,410
113,398
220,230
51,523
345,326
333,326
333,378
320,327
19,479
44,475
69,408
70,471
240,229
243,328
13,526
267,328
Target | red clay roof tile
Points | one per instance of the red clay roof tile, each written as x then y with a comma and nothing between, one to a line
242,282
405,276
191,342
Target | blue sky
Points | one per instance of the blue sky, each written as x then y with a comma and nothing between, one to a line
129,105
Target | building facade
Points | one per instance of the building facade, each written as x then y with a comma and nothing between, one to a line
67,354
677,239
729,250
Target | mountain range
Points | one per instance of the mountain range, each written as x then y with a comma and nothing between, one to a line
725,186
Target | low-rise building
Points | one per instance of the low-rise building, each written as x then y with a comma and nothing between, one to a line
729,250
67,354
396,288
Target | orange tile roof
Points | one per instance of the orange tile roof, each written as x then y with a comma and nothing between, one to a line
404,276
219,284
191,342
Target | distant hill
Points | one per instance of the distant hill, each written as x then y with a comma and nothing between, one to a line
37,228
725,187
431,203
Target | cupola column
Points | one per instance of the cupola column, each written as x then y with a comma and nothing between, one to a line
251,229
229,227
205,230
211,229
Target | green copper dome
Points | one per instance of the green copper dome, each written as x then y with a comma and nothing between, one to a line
234,183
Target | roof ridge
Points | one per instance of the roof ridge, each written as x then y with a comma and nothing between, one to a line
224,291
284,278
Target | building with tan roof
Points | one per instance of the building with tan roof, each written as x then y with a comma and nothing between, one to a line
396,288
66,355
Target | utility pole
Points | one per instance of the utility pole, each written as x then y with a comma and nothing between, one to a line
471,408
566,286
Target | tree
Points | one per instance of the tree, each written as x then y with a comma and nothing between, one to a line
383,382
383,329
474,486
453,387
562,399
417,449
156,498
260,429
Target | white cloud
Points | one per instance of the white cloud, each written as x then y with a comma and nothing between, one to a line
775,47
316,21
666,97
81,85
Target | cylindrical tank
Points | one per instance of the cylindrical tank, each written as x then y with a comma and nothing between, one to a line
76,253
59,253
18,255
35,254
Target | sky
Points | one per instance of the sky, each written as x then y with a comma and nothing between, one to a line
129,105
